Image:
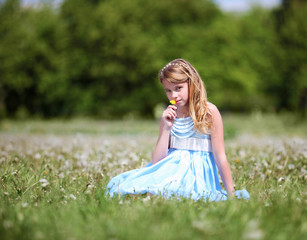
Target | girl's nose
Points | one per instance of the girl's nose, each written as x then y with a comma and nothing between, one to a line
174,95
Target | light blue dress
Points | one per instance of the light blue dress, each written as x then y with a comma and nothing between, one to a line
189,170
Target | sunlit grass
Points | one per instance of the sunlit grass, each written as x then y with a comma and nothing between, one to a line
54,174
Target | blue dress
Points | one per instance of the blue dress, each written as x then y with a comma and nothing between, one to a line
189,170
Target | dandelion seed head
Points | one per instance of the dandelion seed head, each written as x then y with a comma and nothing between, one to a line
72,196
291,166
61,175
44,182
252,230
146,199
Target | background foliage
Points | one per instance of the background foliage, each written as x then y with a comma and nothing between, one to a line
101,58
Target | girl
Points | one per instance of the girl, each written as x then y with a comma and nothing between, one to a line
190,148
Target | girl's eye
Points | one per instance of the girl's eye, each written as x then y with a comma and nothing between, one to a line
178,88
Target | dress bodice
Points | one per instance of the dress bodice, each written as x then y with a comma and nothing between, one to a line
183,136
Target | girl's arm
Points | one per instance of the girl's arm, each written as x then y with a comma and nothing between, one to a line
217,139
166,124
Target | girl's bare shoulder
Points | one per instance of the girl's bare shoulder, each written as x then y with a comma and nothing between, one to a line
212,108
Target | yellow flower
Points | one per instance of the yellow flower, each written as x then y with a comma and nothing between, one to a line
173,102
237,160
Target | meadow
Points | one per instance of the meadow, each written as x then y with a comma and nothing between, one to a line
54,175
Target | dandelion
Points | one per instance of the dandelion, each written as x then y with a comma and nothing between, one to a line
24,205
173,102
44,182
291,166
252,230
281,179
72,196
237,160
146,199
89,188
89,185
61,175
108,155
267,204
198,225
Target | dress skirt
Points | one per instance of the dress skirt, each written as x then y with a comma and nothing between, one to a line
183,173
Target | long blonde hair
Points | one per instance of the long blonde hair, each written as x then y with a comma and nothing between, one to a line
179,71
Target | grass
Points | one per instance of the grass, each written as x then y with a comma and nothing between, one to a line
54,174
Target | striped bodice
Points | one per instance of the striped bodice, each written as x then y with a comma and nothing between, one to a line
183,136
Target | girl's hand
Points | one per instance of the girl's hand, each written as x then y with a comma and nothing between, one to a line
168,117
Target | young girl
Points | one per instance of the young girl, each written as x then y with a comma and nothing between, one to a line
190,147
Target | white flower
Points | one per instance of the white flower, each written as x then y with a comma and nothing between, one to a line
61,175
146,199
291,166
24,205
252,230
72,196
44,182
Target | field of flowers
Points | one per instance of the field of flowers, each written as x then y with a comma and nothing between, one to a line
54,175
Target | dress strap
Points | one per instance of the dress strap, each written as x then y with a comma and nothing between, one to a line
196,144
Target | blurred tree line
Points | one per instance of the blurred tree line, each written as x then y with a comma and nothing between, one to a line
102,57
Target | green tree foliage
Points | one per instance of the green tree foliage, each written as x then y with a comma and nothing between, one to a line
292,31
101,58
29,53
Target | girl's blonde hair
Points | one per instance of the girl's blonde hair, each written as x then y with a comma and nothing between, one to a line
179,71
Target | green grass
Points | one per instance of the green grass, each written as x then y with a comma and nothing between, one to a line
54,173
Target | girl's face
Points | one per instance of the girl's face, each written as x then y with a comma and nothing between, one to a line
178,92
